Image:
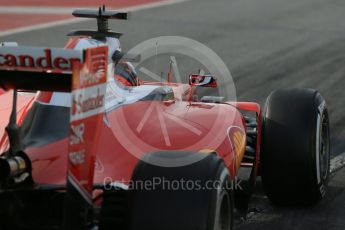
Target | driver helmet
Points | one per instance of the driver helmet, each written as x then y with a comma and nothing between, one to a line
126,74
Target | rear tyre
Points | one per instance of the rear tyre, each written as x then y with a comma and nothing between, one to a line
114,208
295,159
181,207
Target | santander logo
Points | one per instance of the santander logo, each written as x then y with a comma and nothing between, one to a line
88,100
40,59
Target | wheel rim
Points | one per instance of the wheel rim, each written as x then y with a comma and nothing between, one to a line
324,148
224,220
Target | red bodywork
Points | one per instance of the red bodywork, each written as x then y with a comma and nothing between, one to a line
129,132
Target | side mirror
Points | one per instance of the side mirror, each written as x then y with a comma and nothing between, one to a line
203,80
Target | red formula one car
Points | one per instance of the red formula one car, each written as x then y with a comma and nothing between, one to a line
89,146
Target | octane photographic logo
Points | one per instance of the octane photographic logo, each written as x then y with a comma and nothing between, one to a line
167,123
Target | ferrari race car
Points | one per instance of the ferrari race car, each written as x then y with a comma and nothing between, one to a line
80,151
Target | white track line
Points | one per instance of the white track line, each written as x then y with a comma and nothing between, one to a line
36,10
338,162
67,11
41,26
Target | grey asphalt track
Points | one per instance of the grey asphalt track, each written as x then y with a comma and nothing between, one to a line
328,215
267,44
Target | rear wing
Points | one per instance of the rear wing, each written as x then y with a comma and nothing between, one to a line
84,74
33,68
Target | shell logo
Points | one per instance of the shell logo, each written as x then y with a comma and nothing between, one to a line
238,141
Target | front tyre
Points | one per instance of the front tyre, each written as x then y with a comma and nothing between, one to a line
295,159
